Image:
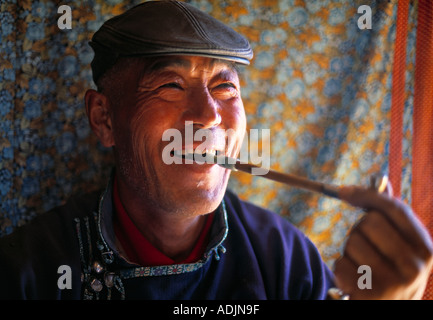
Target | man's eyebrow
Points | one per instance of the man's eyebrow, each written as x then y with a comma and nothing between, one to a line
162,64
154,68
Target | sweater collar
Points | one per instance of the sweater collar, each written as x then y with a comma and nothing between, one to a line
139,249
217,233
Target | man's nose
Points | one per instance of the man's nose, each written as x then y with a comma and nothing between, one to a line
203,110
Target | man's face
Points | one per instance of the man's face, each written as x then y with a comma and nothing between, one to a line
166,93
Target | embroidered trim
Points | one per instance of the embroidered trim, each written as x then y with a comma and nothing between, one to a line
107,253
180,268
161,270
97,278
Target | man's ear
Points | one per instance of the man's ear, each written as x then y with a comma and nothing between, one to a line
98,113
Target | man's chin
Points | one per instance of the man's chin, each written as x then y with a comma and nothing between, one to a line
187,193
198,202
194,201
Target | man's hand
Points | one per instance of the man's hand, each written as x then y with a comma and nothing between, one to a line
391,241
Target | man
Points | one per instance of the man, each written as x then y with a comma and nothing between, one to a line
173,231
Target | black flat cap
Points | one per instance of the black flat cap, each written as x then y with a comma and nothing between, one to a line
158,28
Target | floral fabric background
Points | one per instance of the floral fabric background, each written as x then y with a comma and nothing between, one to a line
318,82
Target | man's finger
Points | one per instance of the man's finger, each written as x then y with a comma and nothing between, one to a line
399,214
388,242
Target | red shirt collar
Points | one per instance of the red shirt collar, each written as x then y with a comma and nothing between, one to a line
139,250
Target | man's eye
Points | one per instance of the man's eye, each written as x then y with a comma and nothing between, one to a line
225,90
226,85
173,85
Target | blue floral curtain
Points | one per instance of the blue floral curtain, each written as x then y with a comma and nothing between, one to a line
320,84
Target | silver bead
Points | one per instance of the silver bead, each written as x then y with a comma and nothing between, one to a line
109,279
97,267
96,285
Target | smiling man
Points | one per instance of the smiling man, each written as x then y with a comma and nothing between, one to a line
167,202
174,231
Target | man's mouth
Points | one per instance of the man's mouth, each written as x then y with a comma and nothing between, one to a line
206,156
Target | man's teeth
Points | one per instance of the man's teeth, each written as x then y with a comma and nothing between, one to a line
188,154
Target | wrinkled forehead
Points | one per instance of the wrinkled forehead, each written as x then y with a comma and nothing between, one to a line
132,71
156,65
141,68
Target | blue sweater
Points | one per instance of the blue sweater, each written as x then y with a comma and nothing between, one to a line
252,254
